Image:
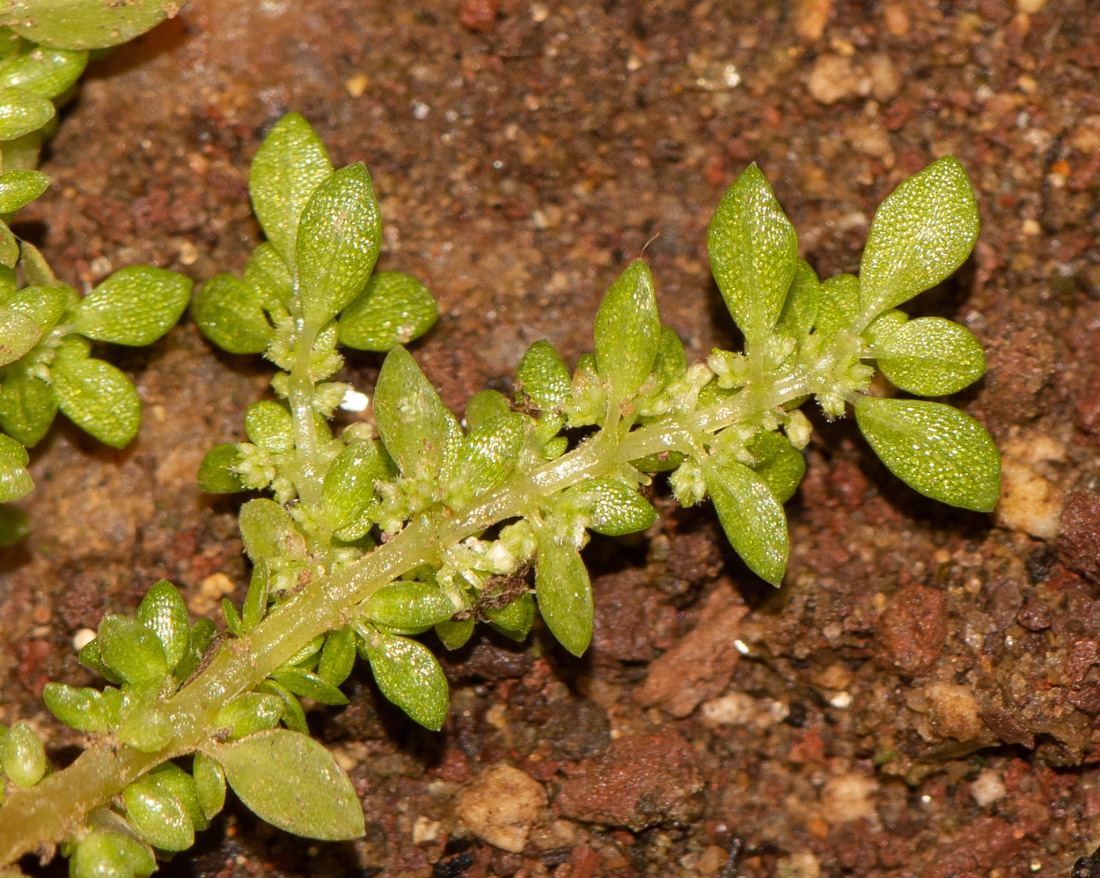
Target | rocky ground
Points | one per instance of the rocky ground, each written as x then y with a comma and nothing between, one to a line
921,696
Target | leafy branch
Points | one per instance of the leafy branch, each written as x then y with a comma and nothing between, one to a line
383,532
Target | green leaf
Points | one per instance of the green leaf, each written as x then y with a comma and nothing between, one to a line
409,607
935,449
338,239
109,855
10,448
542,377
98,398
269,425
671,362
163,612
486,457
290,164
268,275
393,309
27,407
753,254
232,617
170,777
158,815
921,233
455,633
778,464
563,591
803,299
248,713
337,656
751,516
308,685
256,598
230,313
408,675
83,709
930,356
484,407
514,619
43,305
14,526
131,650
36,271
348,489
18,188
21,112
89,657
838,305
18,334
293,783
613,507
134,306
209,785
294,717
9,246
147,730
15,481
268,532
85,24
628,331
46,72
22,756
417,429
217,472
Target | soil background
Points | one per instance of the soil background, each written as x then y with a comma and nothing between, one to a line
921,696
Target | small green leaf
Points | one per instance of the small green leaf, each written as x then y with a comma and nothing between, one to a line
27,407
248,713
779,465
486,457
36,271
269,277
921,233
232,618
308,685
18,334
14,526
15,481
142,728
217,472
409,607
83,709
563,591
158,815
803,299
131,650
43,305
10,448
290,164
99,399
230,313
930,356
293,783
628,331
268,531
484,407
671,362
22,756
163,612
21,112
417,429
338,240
348,489
455,633
109,855
134,306
751,516
393,309
44,71
935,449
78,24
337,656
514,619
838,305
613,507
209,785
256,598
753,254
294,717
542,377
269,425
89,657
18,188
408,675
170,777
9,246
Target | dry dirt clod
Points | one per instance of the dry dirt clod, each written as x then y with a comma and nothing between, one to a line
501,807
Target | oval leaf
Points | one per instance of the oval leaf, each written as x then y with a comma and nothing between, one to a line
46,72
134,306
99,399
230,313
628,331
542,376
751,516
18,334
80,24
409,675
563,592
393,309
935,449
158,815
921,233
27,406
20,187
22,112
930,356
131,650
753,253
410,607
777,462
163,612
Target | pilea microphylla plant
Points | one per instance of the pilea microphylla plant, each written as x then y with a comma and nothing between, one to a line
46,329
425,521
